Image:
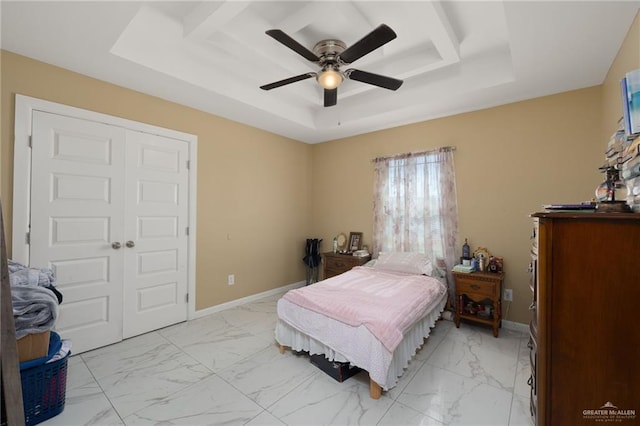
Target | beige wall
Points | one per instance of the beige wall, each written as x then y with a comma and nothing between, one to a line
509,161
628,59
254,207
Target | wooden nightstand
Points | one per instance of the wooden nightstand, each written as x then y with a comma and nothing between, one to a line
336,263
479,289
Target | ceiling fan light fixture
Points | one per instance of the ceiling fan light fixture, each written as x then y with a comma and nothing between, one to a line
330,55
329,78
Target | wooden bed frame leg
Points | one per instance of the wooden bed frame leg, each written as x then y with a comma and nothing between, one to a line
281,349
375,391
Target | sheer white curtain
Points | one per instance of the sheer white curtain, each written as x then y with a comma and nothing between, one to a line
415,206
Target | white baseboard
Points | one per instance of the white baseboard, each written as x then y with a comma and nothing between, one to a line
515,326
223,306
507,325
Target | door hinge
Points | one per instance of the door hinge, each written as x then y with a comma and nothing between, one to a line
186,230
28,238
186,297
30,142
188,164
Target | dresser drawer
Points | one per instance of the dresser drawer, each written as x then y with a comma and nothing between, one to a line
533,362
533,274
534,237
480,288
533,406
533,352
533,329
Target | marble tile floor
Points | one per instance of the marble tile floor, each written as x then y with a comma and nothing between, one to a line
225,369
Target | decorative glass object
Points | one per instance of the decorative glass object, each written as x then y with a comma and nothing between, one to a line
466,250
612,192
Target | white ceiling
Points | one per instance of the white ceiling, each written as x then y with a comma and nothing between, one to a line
453,56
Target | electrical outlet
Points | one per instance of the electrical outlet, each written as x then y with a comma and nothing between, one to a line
231,279
508,294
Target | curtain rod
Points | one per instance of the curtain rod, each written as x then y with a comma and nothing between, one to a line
411,154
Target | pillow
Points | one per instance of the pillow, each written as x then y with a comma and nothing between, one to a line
370,264
439,269
410,263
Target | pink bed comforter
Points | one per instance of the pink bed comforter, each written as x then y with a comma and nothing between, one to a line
387,303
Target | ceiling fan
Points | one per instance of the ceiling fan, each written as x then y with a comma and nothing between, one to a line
330,55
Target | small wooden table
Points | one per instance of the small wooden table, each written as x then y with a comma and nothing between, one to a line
475,292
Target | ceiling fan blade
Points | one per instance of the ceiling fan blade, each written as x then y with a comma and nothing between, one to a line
288,81
375,79
376,38
285,39
330,97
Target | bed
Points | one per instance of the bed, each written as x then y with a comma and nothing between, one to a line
375,316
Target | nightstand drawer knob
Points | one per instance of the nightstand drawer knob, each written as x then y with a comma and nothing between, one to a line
475,286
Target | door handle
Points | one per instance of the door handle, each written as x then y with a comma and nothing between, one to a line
116,245
130,244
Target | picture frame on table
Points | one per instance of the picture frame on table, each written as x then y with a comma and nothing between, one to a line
496,264
355,241
481,254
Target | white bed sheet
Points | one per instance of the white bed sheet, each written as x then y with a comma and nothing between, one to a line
305,330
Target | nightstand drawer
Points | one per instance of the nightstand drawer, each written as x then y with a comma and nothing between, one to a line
336,263
473,287
329,272
340,263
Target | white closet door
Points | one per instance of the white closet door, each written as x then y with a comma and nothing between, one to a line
109,214
156,246
77,207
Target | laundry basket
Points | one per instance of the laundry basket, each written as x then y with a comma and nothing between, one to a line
43,390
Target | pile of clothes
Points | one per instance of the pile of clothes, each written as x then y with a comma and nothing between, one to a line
35,310
35,299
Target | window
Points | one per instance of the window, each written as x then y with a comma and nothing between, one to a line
415,205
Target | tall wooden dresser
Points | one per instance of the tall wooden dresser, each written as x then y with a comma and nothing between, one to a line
585,342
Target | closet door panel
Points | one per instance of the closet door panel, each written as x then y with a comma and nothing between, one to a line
155,293
77,180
